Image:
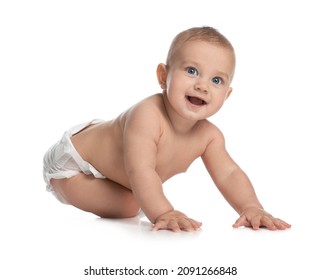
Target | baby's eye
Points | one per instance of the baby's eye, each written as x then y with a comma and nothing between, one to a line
192,71
217,80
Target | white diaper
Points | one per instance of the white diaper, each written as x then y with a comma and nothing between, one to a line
63,161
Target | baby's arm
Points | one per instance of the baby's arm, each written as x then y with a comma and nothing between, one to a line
141,134
236,187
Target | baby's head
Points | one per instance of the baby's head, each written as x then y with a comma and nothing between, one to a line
198,72
205,34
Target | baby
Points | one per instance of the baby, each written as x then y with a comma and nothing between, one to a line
116,168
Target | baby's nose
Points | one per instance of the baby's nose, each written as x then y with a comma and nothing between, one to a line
202,87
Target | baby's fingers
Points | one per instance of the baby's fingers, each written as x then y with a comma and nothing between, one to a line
196,225
177,225
279,224
256,218
241,222
255,222
258,221
162,224
189,224
165,224
269,222
174,226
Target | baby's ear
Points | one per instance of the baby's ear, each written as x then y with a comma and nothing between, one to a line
229,92
162,75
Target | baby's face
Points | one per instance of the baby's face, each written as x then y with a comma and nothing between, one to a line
198,79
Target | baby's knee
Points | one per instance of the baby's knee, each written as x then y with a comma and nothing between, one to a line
128,210
132,208
125,213
131,212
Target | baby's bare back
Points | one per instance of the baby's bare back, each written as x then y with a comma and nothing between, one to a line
102,144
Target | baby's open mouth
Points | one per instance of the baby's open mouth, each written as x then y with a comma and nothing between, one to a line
196,101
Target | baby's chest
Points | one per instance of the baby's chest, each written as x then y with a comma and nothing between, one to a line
176,155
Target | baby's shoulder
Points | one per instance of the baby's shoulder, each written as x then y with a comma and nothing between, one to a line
150,104
208,127
209,131
146,113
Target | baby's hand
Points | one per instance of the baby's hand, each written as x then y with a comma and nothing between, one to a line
256,217
175,221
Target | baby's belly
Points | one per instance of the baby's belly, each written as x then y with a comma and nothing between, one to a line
113,169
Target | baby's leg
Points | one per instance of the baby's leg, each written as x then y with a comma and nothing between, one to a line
102,197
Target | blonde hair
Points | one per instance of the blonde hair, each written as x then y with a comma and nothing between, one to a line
205,33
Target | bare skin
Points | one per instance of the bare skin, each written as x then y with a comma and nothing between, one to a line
146,145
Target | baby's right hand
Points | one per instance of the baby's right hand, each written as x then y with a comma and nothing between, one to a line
176,221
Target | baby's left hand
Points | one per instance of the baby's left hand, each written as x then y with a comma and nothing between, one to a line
256,217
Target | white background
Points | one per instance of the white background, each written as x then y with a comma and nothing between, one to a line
65,62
